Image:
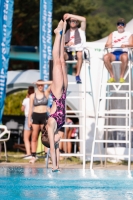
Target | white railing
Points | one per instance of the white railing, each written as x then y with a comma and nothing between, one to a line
82,112
127,112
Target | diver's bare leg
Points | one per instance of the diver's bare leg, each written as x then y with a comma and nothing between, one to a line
57,84
51,130
63,64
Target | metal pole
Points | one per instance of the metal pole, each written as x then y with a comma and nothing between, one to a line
129,160
96,120
84,118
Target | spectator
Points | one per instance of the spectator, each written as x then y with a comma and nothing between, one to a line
27,130
75,41
38,113
119,40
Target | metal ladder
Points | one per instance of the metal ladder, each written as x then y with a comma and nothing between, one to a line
81,95
103,116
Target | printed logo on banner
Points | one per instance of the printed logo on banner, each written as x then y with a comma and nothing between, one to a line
45,39
6,12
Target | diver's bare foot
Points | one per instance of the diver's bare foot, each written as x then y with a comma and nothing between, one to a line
56,169
33,160
59,27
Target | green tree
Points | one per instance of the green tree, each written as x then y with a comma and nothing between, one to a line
26,23
13,103
101,17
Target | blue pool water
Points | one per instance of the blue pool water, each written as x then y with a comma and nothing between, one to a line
17,183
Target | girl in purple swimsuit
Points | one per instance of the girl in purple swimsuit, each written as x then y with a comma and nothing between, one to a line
58,91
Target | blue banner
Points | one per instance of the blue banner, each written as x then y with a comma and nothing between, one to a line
45,42
6,13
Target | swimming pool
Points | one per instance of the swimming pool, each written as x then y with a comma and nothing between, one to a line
17,183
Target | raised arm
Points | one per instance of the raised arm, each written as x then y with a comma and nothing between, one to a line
109,41
47,92
43,82
77,17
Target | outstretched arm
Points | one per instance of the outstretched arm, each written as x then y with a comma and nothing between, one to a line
77,17
47,91
43,82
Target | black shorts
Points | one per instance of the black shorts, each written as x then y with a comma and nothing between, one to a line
62,129
70,56
39,118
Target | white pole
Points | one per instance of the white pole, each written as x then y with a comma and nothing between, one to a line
129,160
84,118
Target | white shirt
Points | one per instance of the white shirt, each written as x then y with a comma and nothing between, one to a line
72,36
120,38
80,46
26,103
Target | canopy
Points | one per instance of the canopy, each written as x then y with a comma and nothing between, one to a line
20,80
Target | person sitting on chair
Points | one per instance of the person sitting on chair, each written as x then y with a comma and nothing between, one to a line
119,41
75,40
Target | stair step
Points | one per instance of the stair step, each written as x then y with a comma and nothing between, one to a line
74,111
111,156
74,97
112,141
113,127
119,98
115,111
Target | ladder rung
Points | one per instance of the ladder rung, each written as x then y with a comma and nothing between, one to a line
90,116
112,141
113,116
115,111
111,156
75,91
109,126
72,83
120,98
118,91
115,129
74,97
73,111
75,116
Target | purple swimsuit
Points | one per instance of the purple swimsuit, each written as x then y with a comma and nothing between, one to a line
59,114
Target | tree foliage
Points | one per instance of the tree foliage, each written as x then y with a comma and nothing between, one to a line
26,23
13,103
101,17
